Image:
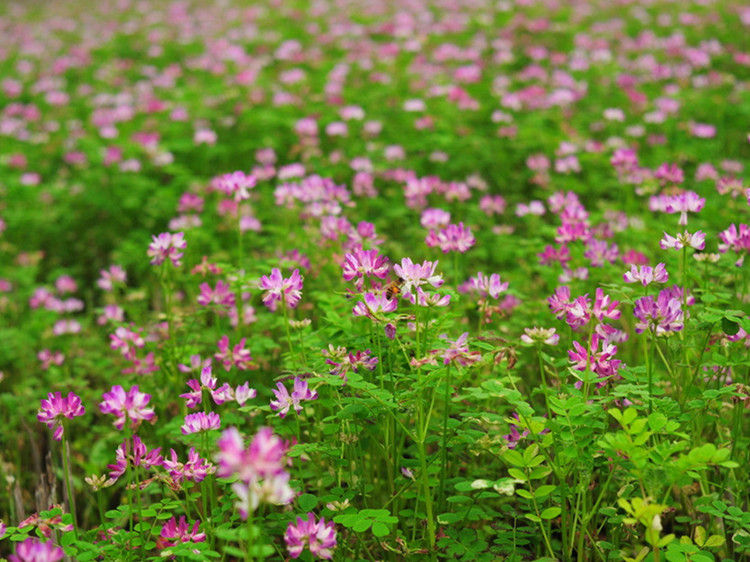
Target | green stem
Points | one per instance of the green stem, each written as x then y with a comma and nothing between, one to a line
446,412
67,476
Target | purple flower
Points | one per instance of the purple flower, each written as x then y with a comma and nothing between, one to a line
263,458
484,285
55,409
260,469
222,296
435,218
167,245
318,536
130,405
239,356
208,382
599,252
416,275
243,393
374,305
662,315
601,362
235,185
195,469
645,275
173,533
115,275
361,263
453,238
458,351
736,239
136,454
34,550
201,421
284,400
536,335
277,289
696,240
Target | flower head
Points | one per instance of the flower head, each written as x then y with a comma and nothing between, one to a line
318,536
130,405
167,245
645,275
277,288
284,400
696,240
174,532
55,409
201,421
34,550
416,275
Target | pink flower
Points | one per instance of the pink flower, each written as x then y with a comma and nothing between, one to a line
415,275
167,245
264,457
239,356
536,335
243,393
195,469
435,218
362,263
235,185
173,533
458,351
485,286
195,423
34,550
259,468
453,238
130,405
55,409
115,275
288,290
318,536
65,284
375,305
696,240
222,296
284,400
49,358
134,453
645,275
662,315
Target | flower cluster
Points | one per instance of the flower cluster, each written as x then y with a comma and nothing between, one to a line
661,315
452,238
284,400
259,469
167,246
277,288
55,409
130,405
220,395
318,536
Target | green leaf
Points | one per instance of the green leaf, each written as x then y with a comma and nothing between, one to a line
380,529
361,525
307,502
518,474
532,517
729,327
551,512
543,491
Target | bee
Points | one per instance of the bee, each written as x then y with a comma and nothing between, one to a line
393,289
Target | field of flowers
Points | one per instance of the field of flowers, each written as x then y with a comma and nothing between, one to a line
374,280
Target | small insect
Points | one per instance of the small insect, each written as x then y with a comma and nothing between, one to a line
393,289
